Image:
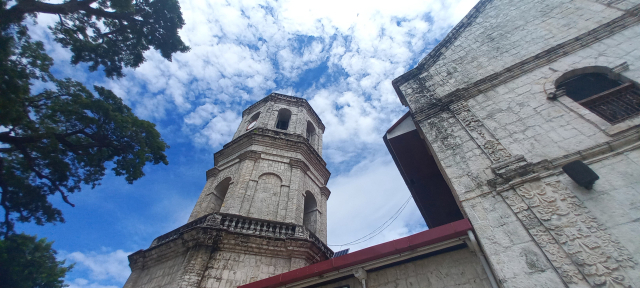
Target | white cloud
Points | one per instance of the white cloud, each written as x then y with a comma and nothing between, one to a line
366,197
241,50
102,266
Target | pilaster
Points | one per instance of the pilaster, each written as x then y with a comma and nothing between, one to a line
239,198
299,169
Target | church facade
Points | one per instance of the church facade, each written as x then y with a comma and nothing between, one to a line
521,148
531,110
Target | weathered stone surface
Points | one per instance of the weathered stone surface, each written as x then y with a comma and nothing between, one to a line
223,250
481,100
248,221
460,268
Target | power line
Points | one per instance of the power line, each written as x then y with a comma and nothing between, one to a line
394,219
380,228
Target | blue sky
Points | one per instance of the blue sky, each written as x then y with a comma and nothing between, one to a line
339,55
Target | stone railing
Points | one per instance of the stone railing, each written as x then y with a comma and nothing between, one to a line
178,231
246,225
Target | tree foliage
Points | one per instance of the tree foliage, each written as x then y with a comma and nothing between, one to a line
108,33
60,138
26,262
60,135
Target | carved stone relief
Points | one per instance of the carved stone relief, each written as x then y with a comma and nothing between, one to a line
556,255
438,128
570,237
480,133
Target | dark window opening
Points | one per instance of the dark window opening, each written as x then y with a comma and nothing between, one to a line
219,193
311,132
284,115
608,98
310,217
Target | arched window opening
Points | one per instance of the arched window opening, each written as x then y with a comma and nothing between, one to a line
284,115
311,132
253,121
219,193
310,217
610,99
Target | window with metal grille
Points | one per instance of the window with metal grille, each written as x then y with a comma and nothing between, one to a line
608,98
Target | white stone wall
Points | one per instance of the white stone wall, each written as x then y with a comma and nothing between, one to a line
535,228
460,268
527,123
230,269
506,32
615,201
519,114
162,274
266,188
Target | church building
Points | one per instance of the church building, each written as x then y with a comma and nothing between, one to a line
521,148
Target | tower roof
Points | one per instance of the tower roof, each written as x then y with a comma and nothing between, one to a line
292,100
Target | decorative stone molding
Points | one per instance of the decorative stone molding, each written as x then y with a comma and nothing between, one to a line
511,168
216,222
624,66
480,133
275,140
439,104
510,177
295,163
213,172
438,126
201,237
324,191
249,155
569,235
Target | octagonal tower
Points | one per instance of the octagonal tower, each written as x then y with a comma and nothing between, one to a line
262,211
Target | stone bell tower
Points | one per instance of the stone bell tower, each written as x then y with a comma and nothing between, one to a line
262,211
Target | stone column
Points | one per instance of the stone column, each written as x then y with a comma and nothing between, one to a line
322,205
240,192
201,244
198,210
195,265
296,193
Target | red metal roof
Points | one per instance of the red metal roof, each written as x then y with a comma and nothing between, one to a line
425,238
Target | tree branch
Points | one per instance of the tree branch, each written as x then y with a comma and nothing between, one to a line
113,31
13,140
16,13
41,175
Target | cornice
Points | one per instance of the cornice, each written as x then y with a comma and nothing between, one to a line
428,61
325,192
288,100
517,170
213,172
249,155
279,140
296,163
629,18
211,230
